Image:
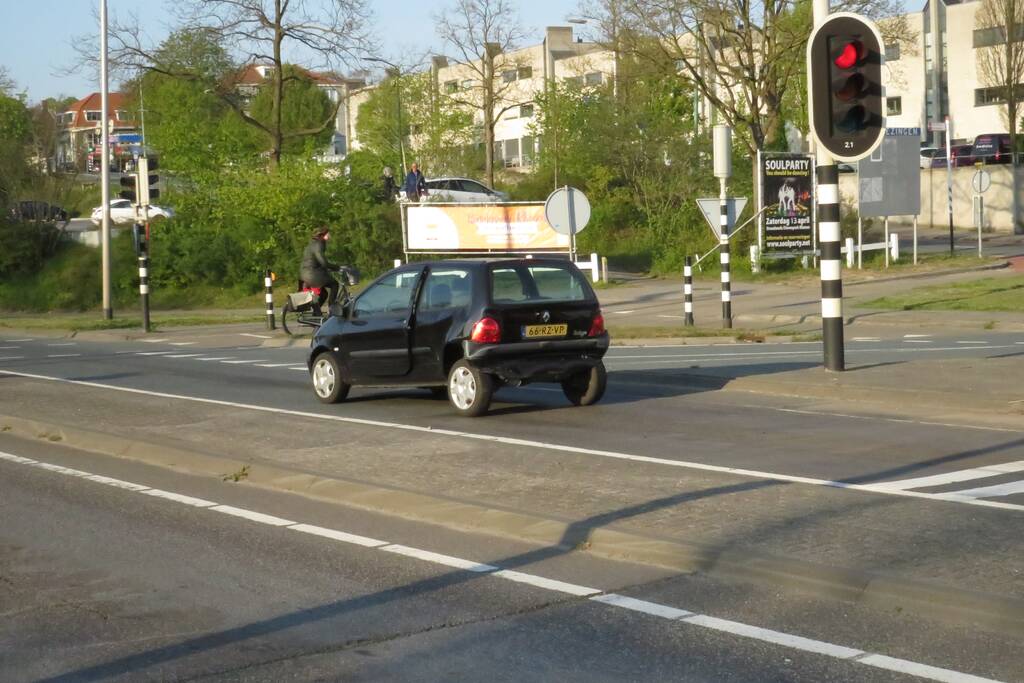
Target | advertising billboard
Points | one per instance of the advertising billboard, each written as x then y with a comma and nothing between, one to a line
787,191
453,228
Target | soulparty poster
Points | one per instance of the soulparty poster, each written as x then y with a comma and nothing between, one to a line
787,190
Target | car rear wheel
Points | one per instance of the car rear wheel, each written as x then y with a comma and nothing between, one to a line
469,390
327,383
586,387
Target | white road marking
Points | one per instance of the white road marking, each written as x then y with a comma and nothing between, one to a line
15,341
915,336
152,341
759,354
342,536
1018,342
66,344
12,357
671,614
153,353
995,491
950,477
972,342
866,339
217,358
257,336
184,355
300,367
540,445
252,516
241,362
274,365
8,348
674,317
917,341
182,343
63,355
623,312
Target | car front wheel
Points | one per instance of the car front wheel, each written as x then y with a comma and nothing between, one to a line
587,386
327,383
469,390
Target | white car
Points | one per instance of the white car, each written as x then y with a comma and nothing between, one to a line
122,211
460,190
928,155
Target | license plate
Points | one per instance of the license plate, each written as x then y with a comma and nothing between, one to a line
533,331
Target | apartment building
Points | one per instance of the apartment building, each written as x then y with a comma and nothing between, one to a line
79,131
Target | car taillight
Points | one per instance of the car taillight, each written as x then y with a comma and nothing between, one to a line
486,331
597,326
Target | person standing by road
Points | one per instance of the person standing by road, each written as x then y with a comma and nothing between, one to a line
415,185
390,187
316,269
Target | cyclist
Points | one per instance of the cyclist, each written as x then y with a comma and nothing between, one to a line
316,269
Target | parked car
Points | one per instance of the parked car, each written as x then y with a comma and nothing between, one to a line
123,211
460,190
929,153
963,155
465,328
992,148
32,210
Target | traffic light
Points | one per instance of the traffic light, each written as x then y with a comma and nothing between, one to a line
846,98
147,180
129,187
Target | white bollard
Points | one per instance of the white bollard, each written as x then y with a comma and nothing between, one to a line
755,259
398,262
849,252
595,268
604,269
894,246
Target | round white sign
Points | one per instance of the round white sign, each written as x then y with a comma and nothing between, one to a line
981,181
567,210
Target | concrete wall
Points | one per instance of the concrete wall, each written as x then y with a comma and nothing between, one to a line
933,198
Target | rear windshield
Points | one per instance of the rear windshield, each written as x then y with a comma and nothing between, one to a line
518,283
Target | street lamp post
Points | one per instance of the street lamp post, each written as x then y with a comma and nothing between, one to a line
108,310
398,107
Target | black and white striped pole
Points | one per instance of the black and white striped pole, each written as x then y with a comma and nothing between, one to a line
143,251
268,285
723,169
688,292
829,238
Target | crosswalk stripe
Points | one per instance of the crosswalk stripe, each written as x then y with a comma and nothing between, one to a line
949,477
995,491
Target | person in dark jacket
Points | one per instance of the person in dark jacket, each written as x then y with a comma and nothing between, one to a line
415,185
316,269
390,186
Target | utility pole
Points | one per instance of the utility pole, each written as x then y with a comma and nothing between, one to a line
108,310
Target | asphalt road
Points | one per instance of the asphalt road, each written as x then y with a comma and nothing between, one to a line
108,572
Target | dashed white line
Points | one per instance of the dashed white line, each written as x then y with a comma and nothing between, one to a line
12,358
917,341
915,336
64,344
257,336
275,365
182,343
8,348
15,341
972,342
63,355
303,368
672,614
184,355
241,362
866,339
152,341
206,360
623,312
153,353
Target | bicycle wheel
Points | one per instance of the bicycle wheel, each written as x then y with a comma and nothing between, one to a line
287,312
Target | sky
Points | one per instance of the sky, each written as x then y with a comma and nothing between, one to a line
38,43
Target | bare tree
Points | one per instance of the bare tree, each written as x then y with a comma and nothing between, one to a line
482,34
1002,65
743,56
332,33
7,84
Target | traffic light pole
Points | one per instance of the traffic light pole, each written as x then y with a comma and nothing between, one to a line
829,238
108,309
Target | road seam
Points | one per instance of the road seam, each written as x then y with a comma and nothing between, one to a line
748,631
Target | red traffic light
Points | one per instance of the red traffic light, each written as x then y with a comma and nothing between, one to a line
850,55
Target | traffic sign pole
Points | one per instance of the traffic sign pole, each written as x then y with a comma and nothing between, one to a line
949,183
723,169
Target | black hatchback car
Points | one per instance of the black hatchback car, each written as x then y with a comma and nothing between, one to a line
464,328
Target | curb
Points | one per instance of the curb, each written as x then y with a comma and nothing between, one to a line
875,588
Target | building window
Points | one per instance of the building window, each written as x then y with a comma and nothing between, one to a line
594,78
508,76
893,106
574,81
892,52
987,37
92,116
525,72
467,84
527,150
526,111
451,86
996,95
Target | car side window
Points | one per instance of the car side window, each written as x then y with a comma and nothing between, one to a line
447,289
392,294
470,186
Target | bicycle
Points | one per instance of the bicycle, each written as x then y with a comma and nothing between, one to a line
305,307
